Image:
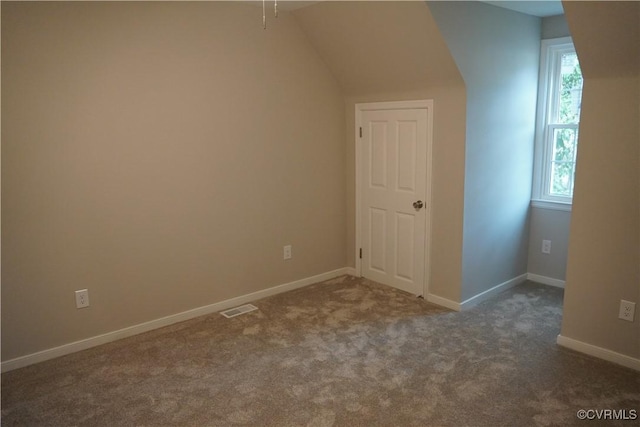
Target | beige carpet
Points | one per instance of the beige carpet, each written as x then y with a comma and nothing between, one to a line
347,352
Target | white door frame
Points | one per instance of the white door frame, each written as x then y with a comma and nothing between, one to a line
426,104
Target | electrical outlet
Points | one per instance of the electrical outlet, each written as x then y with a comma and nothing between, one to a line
627,310
287,252
82,298
546,246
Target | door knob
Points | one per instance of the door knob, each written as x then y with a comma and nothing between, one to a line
418,205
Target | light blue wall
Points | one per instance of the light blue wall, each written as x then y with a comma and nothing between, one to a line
553,225
554,27
497,52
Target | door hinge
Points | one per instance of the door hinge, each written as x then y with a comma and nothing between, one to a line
360,253
360,131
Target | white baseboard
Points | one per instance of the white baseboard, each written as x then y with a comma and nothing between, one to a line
351,271
489,293
452,305
481,297
599,352
545,280
84,344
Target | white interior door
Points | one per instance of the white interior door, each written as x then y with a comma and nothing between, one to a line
393,195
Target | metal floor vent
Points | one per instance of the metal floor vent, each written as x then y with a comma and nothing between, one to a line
233,312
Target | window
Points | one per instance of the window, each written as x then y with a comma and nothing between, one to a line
559,103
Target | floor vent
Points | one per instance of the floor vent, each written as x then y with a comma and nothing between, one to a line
233,312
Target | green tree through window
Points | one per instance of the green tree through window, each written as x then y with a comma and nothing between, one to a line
565,139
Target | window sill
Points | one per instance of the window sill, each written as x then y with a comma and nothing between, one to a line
555,206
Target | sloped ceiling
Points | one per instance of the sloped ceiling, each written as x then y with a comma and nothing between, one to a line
537,8
379,47
606,35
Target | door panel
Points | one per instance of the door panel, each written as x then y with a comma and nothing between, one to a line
406,158
378,159
378,233
405,230
394,160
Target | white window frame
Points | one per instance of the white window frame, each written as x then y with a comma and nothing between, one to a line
551,52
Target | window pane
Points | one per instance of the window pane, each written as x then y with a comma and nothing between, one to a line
561,179
557,145
564,144
570,88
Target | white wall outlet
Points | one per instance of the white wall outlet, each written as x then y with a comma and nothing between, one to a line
287,252
627,310
82,298
546,246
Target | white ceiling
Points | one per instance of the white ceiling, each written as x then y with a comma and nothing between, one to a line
539,8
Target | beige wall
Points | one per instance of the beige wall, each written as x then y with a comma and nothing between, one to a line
391,51
379,48
160,155
604,245
606,35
